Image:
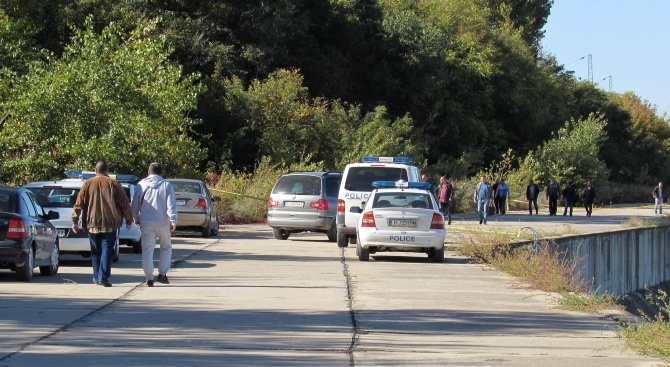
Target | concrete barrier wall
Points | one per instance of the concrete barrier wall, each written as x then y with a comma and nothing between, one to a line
623,261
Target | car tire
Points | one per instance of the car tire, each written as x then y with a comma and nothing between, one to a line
52,268
342,240
280,234
438,255
117,251
206,231
332,233
25,272
215,230
363,253
137,247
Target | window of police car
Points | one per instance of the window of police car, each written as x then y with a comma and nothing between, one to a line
402,200
361,178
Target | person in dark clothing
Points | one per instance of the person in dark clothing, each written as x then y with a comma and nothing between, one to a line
501,194
553,191
532,191
496,201
658,198
569,197
445,197
589,197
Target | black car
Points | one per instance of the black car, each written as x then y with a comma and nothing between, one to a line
27,238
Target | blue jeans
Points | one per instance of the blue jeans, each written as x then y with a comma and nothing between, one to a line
658,205
483,209
102,254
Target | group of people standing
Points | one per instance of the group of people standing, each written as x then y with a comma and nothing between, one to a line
569,194
102,206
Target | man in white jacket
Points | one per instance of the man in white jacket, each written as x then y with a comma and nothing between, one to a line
155,211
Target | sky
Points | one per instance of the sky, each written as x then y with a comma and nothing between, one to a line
628,40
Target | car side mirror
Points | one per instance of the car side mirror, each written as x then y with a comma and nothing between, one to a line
53,215
355,209
215,199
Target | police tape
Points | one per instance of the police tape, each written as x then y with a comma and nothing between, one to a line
238,194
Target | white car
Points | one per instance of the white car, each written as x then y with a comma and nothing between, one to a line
400,216
60,197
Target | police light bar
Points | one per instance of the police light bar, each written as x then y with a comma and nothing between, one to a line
85,175
400,184
373,159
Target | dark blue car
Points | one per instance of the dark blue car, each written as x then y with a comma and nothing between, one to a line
27,238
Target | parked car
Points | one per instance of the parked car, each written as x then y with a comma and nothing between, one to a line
195,207
304,202
400,216
27,238
61,195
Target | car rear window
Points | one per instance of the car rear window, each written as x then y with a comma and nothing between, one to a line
298,185
6,202
187,187
361,178
55,197
402,200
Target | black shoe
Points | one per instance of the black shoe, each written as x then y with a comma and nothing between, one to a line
105,283
161,278
484,222
149,283
480,221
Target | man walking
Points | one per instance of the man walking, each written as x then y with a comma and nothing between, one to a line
532,192
569,196
445,197
501,194
101,205
589,198
553,190
155,211
483,196
658,198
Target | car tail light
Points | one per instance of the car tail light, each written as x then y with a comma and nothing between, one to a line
340,205
16,230
438,221
368,220
272,203
322,204
202,204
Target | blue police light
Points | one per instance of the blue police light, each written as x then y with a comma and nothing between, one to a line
401,184
85,175
374,159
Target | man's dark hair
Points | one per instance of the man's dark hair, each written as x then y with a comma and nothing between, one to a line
155,169
101,167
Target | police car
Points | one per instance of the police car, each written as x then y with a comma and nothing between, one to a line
400,216
60,197
356,186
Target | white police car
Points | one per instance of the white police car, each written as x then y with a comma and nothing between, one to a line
356,186
400,216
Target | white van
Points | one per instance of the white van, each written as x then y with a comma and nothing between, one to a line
357,184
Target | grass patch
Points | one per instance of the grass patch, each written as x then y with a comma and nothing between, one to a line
635,222
652,336
588,302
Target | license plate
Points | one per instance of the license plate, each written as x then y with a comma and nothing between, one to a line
181,202
408,223
61,233
295,204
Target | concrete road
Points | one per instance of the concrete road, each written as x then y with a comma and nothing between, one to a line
246,299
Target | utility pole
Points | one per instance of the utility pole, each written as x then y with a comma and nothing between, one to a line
590,69
610,83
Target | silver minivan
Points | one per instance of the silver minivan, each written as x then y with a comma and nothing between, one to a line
304,202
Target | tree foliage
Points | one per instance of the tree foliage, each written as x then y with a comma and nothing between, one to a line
109,97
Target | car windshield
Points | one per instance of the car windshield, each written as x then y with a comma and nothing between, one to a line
55,197
6,202
402,200
187,187
298,185
361,178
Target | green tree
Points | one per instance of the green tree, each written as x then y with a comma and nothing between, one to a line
110,96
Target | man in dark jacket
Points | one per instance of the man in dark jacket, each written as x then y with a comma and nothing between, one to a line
569,197
532,191
445,197
553,191
658,198
589,197
101,205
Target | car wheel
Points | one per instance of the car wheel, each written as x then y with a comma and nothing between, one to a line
25,272
52,269
438,255
117,251
363,253
332,233
206,231
215,230
137,247
342,240
280,234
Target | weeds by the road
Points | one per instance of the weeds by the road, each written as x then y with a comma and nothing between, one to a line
651,337
634,222
589,301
